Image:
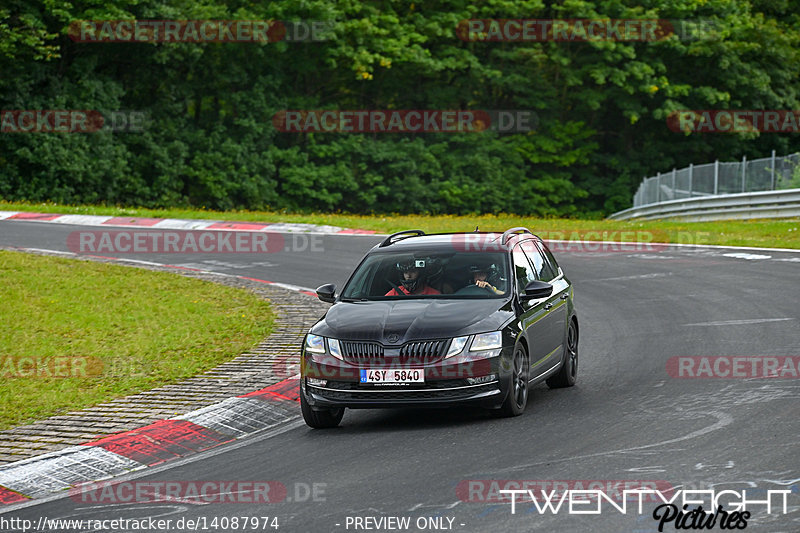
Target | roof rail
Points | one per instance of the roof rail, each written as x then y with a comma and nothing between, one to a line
408,233
513,231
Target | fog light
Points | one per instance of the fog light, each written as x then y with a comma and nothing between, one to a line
316,382
482,379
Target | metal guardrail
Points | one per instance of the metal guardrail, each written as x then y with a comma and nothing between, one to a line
763,204
721,177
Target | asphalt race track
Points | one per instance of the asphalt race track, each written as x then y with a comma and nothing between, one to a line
627,419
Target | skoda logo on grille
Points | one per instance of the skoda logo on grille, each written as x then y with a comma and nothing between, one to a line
393,338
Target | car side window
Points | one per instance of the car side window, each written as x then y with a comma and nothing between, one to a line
522,269
548,255
540,264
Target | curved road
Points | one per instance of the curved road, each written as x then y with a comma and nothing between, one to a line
626,419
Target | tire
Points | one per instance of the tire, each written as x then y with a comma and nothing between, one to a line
568,373
329,418
517,398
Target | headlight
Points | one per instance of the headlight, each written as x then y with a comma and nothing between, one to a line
315,343
456,346
333,347
487,341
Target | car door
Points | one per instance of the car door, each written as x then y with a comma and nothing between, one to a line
533,313
555,306
562,288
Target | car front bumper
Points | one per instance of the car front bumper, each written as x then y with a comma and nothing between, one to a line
451,382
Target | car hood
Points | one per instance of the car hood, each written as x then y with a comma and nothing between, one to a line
397,321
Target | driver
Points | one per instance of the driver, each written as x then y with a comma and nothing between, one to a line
412,279
480,275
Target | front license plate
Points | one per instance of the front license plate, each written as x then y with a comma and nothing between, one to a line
392,376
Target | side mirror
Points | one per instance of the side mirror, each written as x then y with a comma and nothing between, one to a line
327,292
537,289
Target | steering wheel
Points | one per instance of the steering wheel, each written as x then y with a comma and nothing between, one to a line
474,290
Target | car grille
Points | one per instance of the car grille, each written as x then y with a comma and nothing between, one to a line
373,354
358,352
429,351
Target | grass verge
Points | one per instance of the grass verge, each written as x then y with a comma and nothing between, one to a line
783,233
76,333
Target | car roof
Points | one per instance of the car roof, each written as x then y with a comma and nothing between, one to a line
487,241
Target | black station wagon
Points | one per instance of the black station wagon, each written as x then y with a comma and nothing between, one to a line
442,320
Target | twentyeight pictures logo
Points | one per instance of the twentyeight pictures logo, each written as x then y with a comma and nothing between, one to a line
595,501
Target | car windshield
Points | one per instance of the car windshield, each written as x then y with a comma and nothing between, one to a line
426,274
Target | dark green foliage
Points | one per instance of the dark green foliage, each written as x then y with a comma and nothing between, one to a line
210,141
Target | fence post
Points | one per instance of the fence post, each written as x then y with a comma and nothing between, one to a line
658,188
773,170
716,177
691,174
673,183
744,169
643,192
